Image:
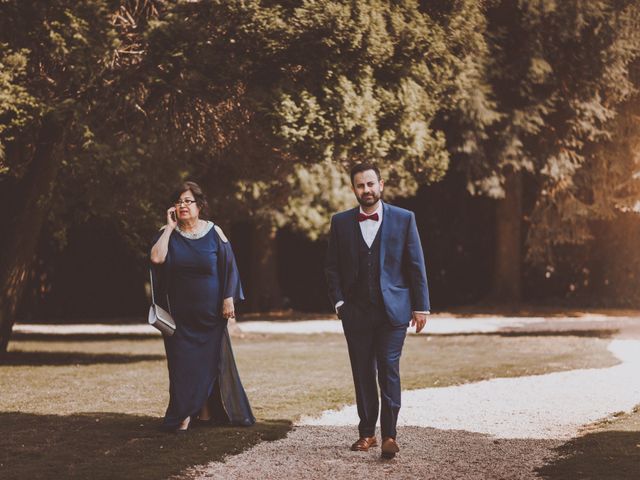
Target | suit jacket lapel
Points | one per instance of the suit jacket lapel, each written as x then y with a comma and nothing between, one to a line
384,232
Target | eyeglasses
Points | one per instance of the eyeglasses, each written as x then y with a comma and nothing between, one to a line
187,201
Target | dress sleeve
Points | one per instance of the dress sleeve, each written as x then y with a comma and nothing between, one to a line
228,269
160,277
154,240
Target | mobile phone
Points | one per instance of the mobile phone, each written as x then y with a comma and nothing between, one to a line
173,216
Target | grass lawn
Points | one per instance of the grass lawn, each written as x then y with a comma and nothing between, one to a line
80,407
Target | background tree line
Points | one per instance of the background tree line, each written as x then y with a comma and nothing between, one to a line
510,126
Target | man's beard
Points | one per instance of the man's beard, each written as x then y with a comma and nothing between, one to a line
370,200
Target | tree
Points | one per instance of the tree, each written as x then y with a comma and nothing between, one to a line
558,73
55,53
380,76
105,104
161,90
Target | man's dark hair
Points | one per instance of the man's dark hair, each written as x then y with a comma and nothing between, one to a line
363,167
198,196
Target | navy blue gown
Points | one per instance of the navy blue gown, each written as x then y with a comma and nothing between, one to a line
195,277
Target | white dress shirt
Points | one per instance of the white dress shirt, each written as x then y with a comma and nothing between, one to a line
369,228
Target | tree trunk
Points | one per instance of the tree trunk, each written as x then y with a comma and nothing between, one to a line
615,267
19,252
507,276
265,288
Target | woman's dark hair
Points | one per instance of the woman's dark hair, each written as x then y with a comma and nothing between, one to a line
363,167
198,196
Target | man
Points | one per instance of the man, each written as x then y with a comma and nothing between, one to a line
378,284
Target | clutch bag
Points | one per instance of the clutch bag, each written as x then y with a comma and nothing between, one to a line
158,316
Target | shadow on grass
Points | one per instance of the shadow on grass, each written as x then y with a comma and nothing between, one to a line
113,446
18,358
609,455
84,337
593,333
582,333
555,311
100,337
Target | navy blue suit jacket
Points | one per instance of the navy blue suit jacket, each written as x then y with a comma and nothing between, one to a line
403,278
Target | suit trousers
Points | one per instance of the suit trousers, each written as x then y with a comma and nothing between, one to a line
374,348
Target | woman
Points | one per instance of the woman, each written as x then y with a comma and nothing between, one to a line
196,267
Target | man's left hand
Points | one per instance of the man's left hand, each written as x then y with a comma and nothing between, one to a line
419,320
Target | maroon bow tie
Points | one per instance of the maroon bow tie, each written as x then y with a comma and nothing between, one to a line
362,217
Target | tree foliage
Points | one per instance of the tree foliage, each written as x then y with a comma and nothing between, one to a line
559,74
380,75
268,104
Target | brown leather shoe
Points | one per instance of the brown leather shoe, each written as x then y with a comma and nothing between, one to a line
364,444
389,447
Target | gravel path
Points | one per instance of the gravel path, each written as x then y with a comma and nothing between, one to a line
437,325
441,324
323,453
551,406
495,429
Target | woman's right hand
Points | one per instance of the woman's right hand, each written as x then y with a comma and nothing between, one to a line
172,222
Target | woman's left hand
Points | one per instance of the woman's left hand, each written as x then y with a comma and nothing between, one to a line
228,310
